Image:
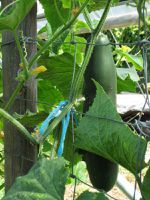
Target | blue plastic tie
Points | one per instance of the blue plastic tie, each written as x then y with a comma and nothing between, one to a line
51,116
65,123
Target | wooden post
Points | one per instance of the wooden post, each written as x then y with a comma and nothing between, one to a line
20,154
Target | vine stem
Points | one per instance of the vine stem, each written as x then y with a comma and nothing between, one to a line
56,121
14,95
17,124
79,79
6,7
56,35
36,56
88,19
24,60
21,83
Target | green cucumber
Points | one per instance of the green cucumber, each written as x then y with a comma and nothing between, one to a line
102,172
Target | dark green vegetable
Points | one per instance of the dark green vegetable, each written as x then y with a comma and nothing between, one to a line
102,172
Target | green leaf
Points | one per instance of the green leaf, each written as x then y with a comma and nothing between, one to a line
45,181
137,61
146,184
126,85
69,152
68,48
102,132
124,72
92,196
66,3
80,170
81,27
32,120
51,12
48,93
59,72
59,41
12,20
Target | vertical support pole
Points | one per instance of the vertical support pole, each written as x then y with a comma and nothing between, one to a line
20,154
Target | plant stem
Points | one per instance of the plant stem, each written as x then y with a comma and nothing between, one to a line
88,19
118,62
103,18
56,121
6,7
24,60
35,57
14,95
17,124
79,78
56,35
20,84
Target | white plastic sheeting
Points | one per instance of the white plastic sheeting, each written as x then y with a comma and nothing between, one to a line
119,16
131,102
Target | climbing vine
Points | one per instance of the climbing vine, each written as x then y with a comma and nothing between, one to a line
62,57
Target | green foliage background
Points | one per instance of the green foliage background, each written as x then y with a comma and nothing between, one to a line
54,85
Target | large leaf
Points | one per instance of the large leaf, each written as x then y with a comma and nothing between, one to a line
92,196
12,20
59,71
102,132
146,184
31,120
137,61
126,85
124,72
48,94
45,181
55,13
127,78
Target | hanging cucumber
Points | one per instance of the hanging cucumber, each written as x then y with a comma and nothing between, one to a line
102,172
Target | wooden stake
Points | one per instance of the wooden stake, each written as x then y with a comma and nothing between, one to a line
20,154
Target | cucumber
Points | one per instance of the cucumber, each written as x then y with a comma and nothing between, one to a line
102,172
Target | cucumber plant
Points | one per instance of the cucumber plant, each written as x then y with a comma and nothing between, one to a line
101,67
102,171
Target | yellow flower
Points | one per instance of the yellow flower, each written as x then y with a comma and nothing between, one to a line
21,65
125,49
38,70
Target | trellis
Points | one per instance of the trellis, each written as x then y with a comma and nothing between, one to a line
118,17
118,25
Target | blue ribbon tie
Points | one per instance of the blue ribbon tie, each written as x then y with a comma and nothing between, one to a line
65,123
51,116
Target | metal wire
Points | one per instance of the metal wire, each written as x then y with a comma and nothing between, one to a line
72,175
75,177
144,45
29,40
